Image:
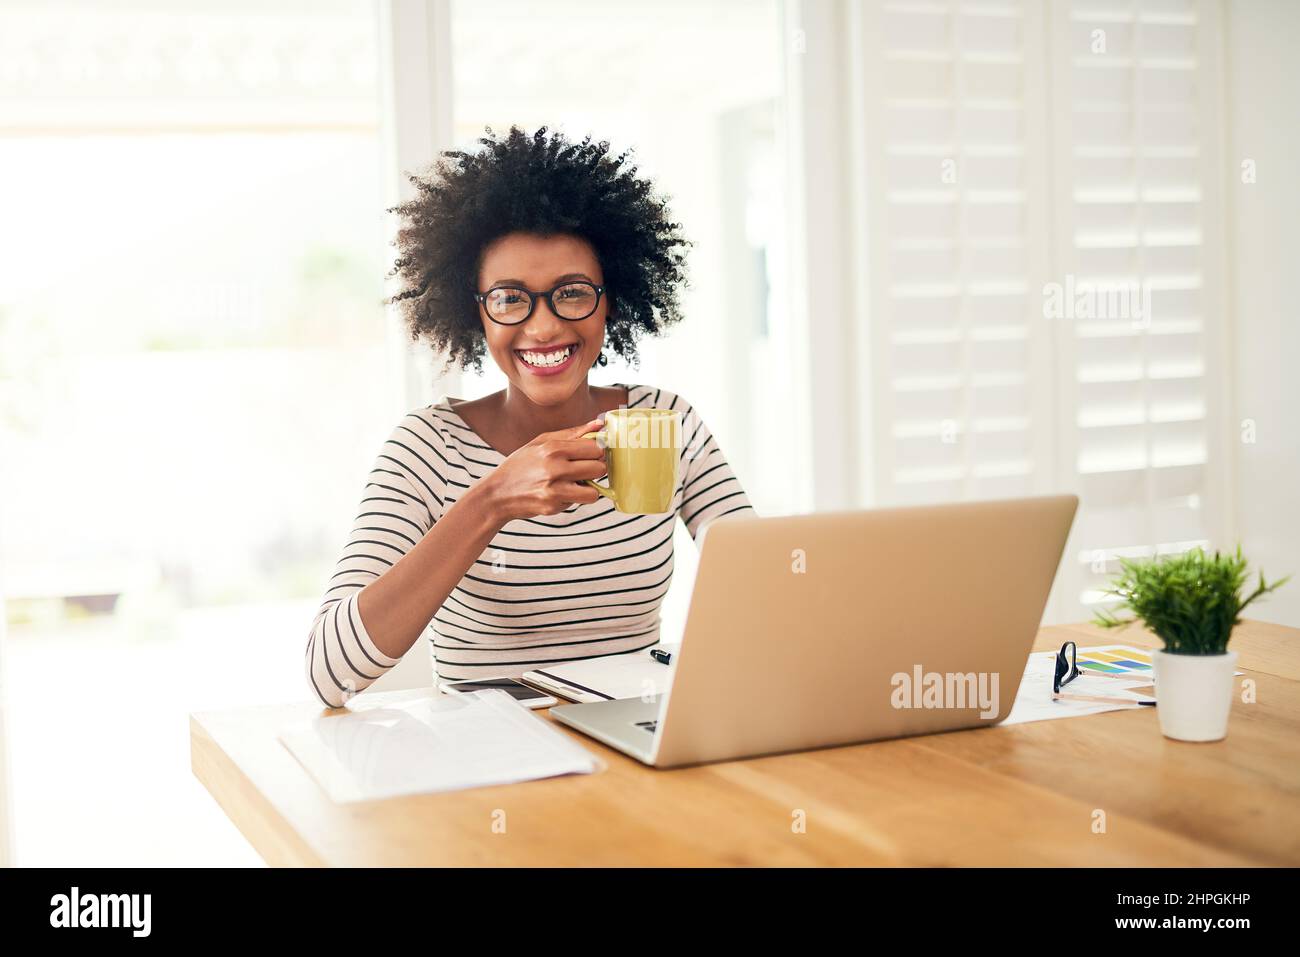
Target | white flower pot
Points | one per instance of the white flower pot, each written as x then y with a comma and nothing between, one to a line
1194,694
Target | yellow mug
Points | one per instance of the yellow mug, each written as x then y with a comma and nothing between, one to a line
642,451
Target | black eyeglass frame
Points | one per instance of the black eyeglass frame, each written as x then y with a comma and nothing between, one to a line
548,295
1067,668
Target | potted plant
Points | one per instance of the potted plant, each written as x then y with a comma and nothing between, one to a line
1191,602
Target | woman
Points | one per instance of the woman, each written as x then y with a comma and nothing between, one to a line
540,252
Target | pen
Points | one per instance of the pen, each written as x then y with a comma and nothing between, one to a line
663,657
1102,699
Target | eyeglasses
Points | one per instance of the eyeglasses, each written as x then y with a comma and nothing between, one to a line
511,305
1067,666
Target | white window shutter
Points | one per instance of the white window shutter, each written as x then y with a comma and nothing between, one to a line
1000,154
1135,127
957,353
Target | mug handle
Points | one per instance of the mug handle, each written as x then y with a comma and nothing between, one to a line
604,490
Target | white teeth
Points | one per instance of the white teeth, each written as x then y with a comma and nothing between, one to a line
544,359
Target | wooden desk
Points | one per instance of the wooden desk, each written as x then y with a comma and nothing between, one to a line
1021,795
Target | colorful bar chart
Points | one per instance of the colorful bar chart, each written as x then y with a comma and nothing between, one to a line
1116,660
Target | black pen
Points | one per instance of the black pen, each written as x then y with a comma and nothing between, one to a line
1103,699
663,657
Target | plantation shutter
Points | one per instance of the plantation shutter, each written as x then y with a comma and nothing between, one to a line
1136,136
1001,157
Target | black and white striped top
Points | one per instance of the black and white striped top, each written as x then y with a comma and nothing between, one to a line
585,582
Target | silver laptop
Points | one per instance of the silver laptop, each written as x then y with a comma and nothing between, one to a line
813,631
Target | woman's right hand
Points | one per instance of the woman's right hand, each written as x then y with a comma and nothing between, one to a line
546,476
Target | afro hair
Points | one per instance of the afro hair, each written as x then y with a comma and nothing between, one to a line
543,185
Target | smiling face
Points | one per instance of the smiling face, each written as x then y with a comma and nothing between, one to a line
546,356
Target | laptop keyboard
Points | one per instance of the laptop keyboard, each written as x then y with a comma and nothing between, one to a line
648,725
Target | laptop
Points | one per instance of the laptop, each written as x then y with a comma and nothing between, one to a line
814,631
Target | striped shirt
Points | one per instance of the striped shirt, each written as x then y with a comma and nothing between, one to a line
582,583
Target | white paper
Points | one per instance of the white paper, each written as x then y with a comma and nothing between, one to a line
1034,701
432,743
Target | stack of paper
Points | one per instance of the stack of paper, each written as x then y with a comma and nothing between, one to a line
432,743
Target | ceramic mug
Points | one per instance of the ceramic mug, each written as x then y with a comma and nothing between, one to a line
642,452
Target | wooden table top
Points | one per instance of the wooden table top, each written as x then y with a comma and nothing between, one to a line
1027,794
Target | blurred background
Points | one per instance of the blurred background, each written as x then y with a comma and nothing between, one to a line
898,211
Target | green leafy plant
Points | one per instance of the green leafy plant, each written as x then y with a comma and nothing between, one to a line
1191,601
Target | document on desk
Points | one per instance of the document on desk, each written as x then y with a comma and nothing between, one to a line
1034,701
432,743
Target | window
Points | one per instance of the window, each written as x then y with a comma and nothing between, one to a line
1040,295
194,367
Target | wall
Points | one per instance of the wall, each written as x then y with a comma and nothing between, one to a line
1262,84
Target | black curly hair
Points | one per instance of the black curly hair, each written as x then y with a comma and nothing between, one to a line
544,186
